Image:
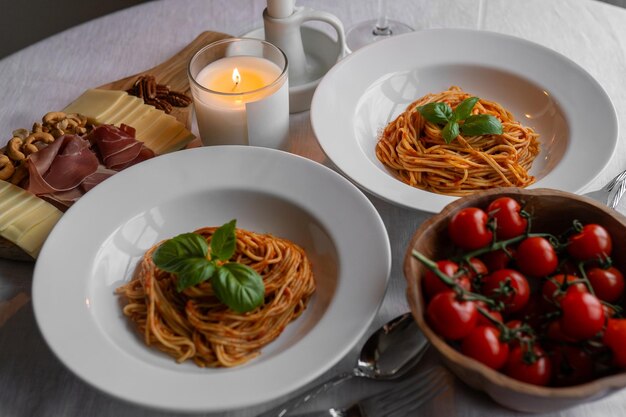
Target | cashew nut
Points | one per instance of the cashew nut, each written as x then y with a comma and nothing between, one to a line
79,118
42,137
21,133
57,133
6,167
21,172
53,116
67,125
38,127
13,149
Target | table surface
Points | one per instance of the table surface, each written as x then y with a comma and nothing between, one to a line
53,72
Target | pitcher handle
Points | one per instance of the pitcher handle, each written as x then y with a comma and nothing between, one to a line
332,20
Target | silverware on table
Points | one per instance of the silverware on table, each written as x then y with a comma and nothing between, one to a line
389,352
399,401
611,193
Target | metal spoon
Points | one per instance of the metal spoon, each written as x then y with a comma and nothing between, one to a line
389,352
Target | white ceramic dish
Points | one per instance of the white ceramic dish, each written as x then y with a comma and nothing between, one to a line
543,89
95,246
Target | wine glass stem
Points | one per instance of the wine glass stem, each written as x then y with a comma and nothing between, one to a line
382,25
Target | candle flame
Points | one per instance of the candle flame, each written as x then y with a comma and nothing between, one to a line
236,77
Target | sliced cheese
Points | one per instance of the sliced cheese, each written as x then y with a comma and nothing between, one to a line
150,118
134,116
26,219
32,241
10,204
171,130
93,103
116,113
159,131
179,141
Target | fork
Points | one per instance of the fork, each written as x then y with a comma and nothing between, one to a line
616,188
611,193
398,401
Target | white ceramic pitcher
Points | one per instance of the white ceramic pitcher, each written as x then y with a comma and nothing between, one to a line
282,21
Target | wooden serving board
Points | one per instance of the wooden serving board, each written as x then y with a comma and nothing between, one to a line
172,72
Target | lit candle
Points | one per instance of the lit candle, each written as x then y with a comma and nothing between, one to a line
241,100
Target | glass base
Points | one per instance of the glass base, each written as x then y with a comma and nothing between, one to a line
364,33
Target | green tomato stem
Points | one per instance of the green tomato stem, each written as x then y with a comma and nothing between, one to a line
584,279
433,267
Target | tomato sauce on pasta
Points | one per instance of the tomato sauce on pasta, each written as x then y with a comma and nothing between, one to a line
414,150
195,325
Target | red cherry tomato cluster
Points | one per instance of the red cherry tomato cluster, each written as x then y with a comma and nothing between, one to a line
538,307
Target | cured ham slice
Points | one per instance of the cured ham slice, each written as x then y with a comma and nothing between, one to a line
96,178
118,147
63,199
71,166
61,166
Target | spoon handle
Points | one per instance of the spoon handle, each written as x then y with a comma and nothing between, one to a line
305,397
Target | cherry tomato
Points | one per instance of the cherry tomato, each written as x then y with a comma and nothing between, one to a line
477,268
498,259
509,222
536,257
484,321
508,286
592,242
433,285
468,229
608,284
450,318
571,366
484,345
615,339
583,315
553,290
513,324
555,333
533,312
537,373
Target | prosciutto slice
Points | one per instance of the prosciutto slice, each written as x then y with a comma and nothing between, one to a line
118,147
61,166
96,178
65,170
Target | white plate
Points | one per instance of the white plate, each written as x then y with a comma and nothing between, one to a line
95,246
543,89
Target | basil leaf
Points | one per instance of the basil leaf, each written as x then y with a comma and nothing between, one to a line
481,124
193,271
450,131
239,287
438,113
172,254
224,241
464,109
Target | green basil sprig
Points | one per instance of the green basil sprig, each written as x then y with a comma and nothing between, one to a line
460,120
192,260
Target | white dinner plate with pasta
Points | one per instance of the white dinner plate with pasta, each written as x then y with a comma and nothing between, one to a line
390,118
121,270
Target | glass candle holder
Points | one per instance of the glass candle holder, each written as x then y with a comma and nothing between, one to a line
240,90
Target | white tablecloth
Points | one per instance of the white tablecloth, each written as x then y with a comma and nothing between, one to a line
51,73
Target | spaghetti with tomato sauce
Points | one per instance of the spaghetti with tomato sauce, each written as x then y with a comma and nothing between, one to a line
194,325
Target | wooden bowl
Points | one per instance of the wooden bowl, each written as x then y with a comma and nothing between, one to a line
554,210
